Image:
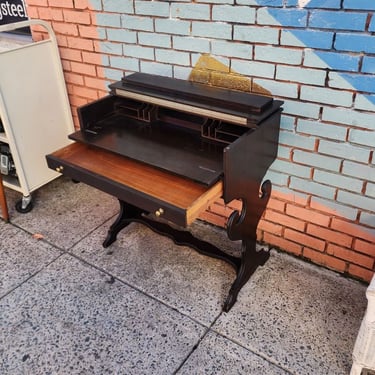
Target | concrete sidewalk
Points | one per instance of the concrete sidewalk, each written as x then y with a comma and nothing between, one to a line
147,306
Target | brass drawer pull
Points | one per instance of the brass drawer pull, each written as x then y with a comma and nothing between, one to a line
159,212
59,169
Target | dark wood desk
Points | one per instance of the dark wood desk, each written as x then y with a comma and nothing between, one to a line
168,148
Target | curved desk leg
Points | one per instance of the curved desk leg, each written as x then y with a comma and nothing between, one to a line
243,226
251,259
127,214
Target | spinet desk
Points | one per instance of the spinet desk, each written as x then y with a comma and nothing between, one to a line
168,148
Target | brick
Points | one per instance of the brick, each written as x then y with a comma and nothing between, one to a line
317,160
224,48
278,55
237,14
137,23
213,219
86,92
323,130
282,243
370,190
311,187
326,4
287,122
124,63
256,34
67,29
109,48
297,140
368,218
220,209
354,42
301,75
282,16
304,239
80,43
41,3
276,205
333,208
350,256
337,20
61,3
325,260
348,117
82,4
307,214
153,67
333,60
110,20
285,220
269,3
364,172
326,95
89,32
360,82
307,38
284,152
291,169
191,44
138,51
280,179
371,27
354,230
115,6
301,109
362,137
368,65
75,79
70,54
290,195
355,200
190,11
344,151
172,26
216,30
361,273
364,247
172,57
82,68
96,4
270,227
338,180
122,35
95,83
77,17
113,74
151,8
365,102
253,68
329,235
283,89
359,4
155,40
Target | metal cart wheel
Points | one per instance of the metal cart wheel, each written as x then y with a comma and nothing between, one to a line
24,205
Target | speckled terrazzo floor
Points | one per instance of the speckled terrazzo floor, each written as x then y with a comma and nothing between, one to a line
147,306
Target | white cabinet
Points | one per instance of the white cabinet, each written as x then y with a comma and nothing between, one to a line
34,111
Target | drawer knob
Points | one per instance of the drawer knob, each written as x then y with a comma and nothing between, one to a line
59,169
159,212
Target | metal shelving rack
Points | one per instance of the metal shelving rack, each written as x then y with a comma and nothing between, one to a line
34,109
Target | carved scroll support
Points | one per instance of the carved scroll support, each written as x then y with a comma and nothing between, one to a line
243,227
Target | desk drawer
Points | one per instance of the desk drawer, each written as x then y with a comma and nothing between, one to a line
171,197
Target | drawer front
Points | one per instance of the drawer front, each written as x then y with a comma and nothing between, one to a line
169,197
